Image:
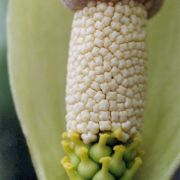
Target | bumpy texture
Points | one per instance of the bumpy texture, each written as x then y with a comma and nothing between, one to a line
106,159
152,6
106,69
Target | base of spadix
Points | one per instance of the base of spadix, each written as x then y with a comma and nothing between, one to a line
107,159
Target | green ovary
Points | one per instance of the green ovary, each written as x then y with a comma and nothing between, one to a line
87,167
117,165
107,159
104,173
100,149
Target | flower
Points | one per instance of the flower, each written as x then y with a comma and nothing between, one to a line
40,108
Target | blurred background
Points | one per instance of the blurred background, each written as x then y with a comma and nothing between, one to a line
15,161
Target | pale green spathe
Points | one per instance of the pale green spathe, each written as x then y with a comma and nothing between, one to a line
38,44
38,32
162,117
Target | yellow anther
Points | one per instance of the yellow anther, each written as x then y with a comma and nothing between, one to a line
119,148
75,137
72,174
65,160
118,134
70,151
66,146
65,135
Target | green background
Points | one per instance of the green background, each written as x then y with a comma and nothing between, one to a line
15,162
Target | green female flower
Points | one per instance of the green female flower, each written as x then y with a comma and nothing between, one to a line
106,87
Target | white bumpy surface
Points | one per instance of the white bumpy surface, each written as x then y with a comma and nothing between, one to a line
107,69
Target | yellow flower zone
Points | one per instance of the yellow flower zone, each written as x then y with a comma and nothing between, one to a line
105,90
